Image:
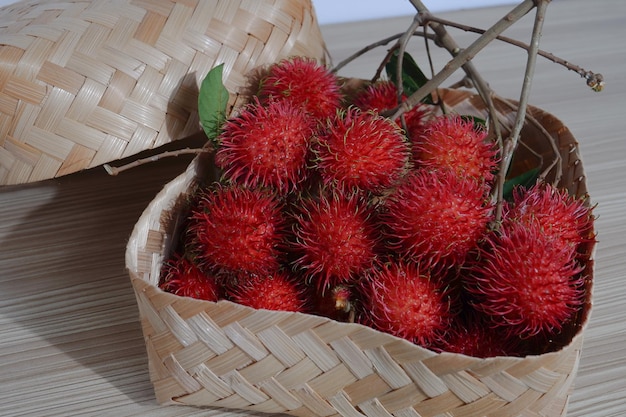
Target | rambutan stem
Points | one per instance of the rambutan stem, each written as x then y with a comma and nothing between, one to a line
402,43
511,144
444,38
557,162
594,80
463,56
366,49
111,170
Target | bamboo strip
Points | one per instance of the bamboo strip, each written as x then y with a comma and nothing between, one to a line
319,367
128,69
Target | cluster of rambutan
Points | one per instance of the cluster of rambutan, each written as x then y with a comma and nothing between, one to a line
327,207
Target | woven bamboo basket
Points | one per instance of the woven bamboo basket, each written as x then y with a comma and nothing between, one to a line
84,83
226,355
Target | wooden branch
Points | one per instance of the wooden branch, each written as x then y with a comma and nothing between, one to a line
444,38
116,170
594,80
511,144
366,49
464,56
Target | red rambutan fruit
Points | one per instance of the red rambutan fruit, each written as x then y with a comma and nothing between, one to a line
382,96
560,215
266,145
182,277
415,121
378,97
402,299
304,82
454,143
477,339
275,291
335,238
526,282
436,216
361,150
237,229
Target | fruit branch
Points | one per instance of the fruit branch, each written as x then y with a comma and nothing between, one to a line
444,38
111,170
464,56
511,144
401,45
557,161
594,80
367,48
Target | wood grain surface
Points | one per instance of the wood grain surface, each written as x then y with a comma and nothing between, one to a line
70,340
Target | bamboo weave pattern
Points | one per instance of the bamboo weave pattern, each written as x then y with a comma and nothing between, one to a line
83,83
226,355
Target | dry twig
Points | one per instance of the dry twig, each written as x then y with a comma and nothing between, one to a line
116,170
594,80
464,56
511,144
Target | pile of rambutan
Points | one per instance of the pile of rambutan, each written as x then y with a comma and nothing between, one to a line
325,206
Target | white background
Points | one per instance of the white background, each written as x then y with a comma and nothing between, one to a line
335,11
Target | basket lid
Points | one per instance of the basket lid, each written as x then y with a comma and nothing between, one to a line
83,83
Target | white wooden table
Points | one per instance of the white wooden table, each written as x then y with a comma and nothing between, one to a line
70,340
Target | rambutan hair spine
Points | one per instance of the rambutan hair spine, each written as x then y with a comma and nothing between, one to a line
280,290
436,217
403,299
236,229
361,150
527,282
335,237
304,82
267,145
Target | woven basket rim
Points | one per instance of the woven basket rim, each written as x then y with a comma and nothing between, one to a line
149,295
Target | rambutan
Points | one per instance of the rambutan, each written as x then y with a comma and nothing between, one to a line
335,238
526,282
266,145
361,150
402,299
238,229
454,143
436,216
378,97
305,83
275,291
475,338
182,277
383,96
560,215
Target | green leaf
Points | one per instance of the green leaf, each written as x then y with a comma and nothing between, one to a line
213,102
476,121
526,179
412,76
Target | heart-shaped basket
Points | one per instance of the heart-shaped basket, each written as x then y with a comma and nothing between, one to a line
221,354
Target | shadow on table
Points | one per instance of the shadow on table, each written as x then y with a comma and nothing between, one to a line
64,274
